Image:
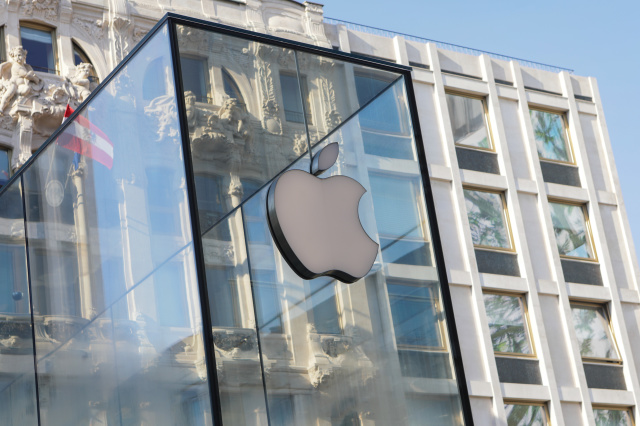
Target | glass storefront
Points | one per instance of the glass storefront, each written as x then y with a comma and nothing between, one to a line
141,215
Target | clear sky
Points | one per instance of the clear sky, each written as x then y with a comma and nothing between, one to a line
594,38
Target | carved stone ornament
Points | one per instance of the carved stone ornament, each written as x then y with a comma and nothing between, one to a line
47,9
92,27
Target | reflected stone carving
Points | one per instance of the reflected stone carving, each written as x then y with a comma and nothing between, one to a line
47,9
192,39
235,340
163,110
300,145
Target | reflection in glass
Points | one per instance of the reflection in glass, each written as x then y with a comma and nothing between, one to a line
325,314
4,167
525,415
507,324
612,417
468,122
550,135
595,338
487,219
415,313
570,227
195,77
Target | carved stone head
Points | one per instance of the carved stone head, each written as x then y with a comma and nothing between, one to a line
83,71
189,98
18,54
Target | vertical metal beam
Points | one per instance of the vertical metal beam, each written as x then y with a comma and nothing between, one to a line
207,335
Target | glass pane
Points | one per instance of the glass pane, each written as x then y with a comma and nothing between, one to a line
17,378
525,415
550,134
570,227
195,78
507,324
414,309
468,123
612,417
242,138
487,219
5,167
594,334
39,45
116,305
330,98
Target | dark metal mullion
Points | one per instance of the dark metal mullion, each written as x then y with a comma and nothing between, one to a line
304,109
214,389
33,324
439,254
255,316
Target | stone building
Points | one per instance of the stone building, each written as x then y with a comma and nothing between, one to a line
521,307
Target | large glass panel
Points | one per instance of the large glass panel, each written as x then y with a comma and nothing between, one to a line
116,307
612,417
38,42
487,219
572,233
341,354
17,374
468,121
550,135
525,415
508,324
593,331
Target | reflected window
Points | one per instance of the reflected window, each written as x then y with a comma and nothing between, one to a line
415,313
54,279
572,230
195,77
222,289
488,220
171,303
153,84
508,324
325,314
8,279
5,166
3,46
526,415
211,203
400,220
267,300
161,196
549,130
594,333
607,416
468,121
39,42
281,410
294,111
231,88
80,57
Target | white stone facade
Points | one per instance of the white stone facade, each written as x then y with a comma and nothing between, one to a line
107,31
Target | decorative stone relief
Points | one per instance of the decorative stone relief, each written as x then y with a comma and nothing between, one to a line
94,28
119,34
163,110
46,9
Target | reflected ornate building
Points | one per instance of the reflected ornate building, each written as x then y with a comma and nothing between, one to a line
110,274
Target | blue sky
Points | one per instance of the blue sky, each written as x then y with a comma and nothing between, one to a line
594,38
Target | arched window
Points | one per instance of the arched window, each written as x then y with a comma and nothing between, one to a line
40,43
79,56
231,88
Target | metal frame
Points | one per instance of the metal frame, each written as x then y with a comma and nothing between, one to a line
525,314
486,119
542,404
587,226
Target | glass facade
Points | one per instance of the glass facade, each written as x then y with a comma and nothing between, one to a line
141,284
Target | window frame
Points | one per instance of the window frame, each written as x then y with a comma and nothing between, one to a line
438,308
505,213
587,227
543,404
614,342
525,312
625,408
487,120
54,42
373,74
567,134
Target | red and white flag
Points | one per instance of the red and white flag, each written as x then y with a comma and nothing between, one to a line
84,138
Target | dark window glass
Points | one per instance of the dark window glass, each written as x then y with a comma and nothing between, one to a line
79,57
39,45
322,295
292,100
383,115
223,296
467,117
4,167
415,315
231,88
194,77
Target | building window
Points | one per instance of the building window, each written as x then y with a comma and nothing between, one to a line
230,87
292,99
488,220
171,305
606,416
162,200
593,330
195,77
469,121
80,57
324,306
39,42
5,166
550,132
526,414
267,301
572,230
3,46
223,296
508,325
416,315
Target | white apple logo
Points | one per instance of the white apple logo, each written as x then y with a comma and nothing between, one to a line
315,222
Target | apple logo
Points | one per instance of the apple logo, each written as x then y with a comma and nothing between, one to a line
315,223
